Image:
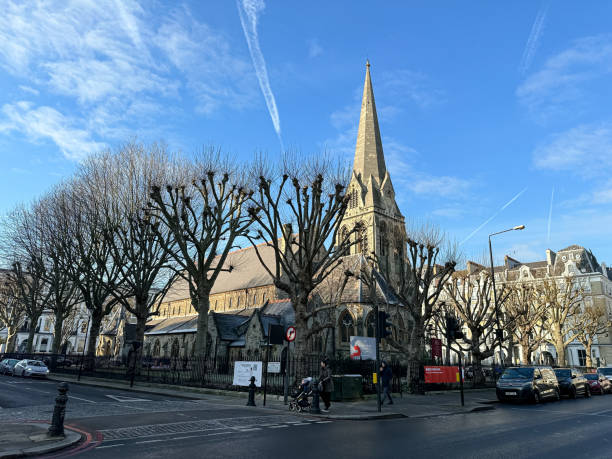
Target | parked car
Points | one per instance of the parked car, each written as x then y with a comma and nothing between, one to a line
7,365
60,361
527,384
599,383
30,368
572,383
606,371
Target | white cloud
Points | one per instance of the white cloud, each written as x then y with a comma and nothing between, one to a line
110,59
314,48
584,150
564,76
46,123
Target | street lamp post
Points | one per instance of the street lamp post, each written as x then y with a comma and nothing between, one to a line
499,333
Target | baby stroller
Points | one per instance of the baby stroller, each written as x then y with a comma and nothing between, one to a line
301,396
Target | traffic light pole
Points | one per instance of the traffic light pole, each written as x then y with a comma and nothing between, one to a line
377,357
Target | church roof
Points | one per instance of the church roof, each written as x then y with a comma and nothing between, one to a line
247,272
369,157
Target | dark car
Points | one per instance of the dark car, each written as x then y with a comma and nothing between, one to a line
7,366
527,384
572,383
60,361
599,383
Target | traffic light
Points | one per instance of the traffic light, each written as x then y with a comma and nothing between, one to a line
384,324
453,329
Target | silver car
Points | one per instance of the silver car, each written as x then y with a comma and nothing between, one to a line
7,365
31,368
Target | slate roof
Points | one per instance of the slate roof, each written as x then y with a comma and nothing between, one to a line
247,272
187,324
228,324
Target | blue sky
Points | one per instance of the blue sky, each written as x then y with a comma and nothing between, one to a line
479,102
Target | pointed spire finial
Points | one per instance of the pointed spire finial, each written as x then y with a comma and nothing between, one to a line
368,63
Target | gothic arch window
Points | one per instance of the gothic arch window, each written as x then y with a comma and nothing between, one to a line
347,326
354,199
370,325
362,238
156,348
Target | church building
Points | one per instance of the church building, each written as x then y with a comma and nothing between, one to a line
244,301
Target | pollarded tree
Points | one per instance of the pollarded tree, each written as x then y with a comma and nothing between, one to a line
525,315
592,321
471,296
298,213
562,299
205,215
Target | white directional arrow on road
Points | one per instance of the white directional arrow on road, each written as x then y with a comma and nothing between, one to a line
123,398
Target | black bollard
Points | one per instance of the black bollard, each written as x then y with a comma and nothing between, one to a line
314,408
251,401
59,412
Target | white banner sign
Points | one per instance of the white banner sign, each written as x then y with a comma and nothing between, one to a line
243,372
363,348
273,367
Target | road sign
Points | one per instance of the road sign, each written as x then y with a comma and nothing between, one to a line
290,334
275,333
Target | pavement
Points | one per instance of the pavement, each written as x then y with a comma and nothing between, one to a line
407,405
30,439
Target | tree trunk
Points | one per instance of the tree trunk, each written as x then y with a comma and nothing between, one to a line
11,334
94,332
31,333
141,323
57,332
508,358
525,352
587,348
557,339
202,332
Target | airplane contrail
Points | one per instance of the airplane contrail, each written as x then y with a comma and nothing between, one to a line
534,38
248,11
493,216
552,197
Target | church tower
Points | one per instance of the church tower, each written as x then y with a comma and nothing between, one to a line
372,203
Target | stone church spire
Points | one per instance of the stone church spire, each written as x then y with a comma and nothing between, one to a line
372,206
369,156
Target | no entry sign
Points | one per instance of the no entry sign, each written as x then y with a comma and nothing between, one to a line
290,334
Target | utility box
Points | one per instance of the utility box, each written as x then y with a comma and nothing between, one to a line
352,387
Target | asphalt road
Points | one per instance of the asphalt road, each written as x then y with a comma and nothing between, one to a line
156,427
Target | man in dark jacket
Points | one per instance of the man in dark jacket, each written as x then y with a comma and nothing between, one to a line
386,375
326,385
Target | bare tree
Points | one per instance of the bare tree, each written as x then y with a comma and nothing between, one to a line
204,216
139,245
471,296
592,321
423,278
562,300
12,312
310,199
524,314
88,257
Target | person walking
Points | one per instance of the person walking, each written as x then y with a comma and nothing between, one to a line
386,375
326,384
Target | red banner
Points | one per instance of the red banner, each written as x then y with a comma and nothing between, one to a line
436,347
441,374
